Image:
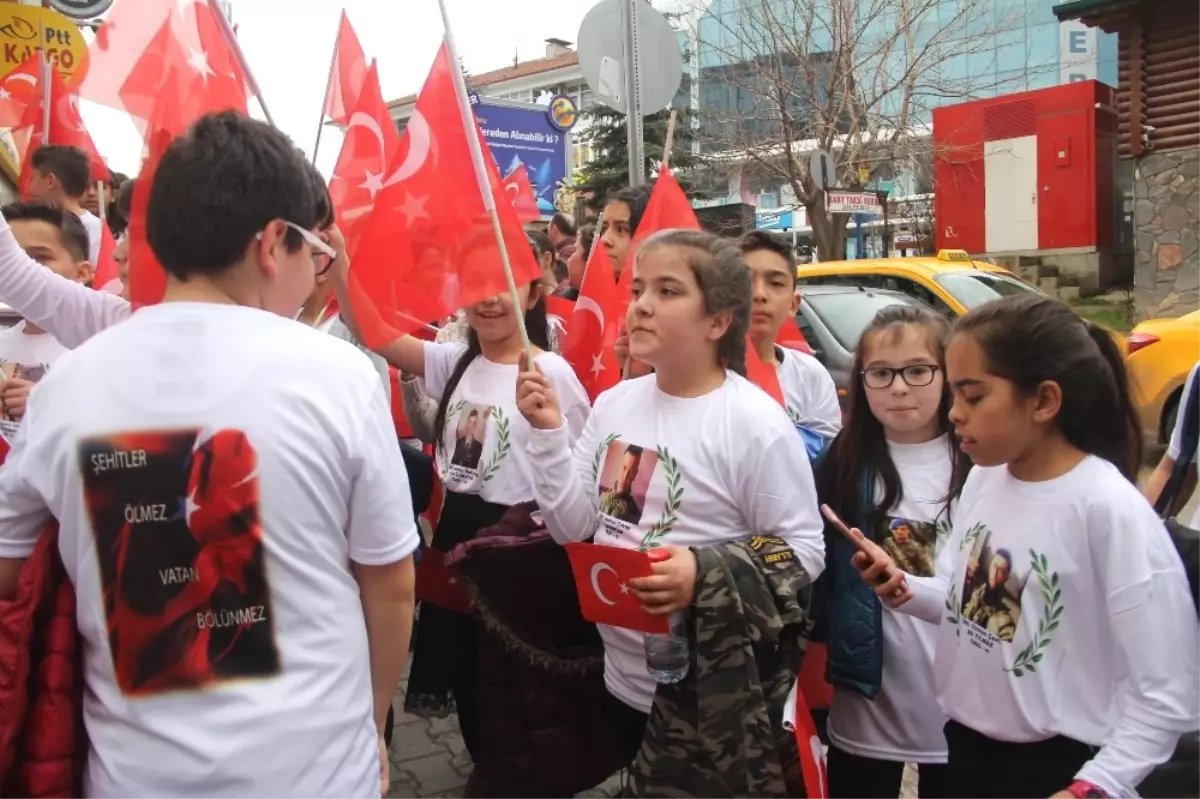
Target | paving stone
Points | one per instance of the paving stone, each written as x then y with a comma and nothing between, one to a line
413,741
433,774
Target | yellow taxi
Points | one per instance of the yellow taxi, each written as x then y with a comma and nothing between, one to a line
951,282
1159,353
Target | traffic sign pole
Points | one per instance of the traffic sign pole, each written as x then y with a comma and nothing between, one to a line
633,119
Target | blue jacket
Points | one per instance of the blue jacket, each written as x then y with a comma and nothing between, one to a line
849,615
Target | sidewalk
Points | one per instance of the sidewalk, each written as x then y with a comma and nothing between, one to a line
429,759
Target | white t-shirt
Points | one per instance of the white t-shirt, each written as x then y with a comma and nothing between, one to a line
904,721
27,356
215,470
1088,631
655,470
92,224
809,393
1177,433
485,437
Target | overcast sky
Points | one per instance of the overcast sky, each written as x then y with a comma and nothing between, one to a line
288,44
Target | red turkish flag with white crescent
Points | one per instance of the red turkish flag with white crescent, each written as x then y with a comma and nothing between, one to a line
519,191
592,328
602,576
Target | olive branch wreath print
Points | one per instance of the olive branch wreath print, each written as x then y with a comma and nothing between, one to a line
1027,659
670,515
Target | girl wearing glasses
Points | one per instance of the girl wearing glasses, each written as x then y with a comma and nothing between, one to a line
894,471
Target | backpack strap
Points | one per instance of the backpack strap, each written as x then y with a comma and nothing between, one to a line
1189,406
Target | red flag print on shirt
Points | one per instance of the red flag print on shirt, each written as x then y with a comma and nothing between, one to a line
179,544
428,248
602,576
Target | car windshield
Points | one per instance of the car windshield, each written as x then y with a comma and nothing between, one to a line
974,288
848,314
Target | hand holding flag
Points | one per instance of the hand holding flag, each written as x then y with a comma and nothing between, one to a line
604,580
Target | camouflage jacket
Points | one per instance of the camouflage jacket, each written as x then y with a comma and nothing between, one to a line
719,732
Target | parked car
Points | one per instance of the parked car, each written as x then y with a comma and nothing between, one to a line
1159,353
951,283
832,319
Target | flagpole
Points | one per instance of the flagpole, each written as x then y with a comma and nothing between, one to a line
485,189
231,40
328,89
103,206
47,97
666,162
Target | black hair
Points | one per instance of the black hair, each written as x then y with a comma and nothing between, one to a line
760,240
71,165
637,198
564,224
537,325
561,272
1030,339
634,450
474,412
541,243
116,180
1004,553
71,233
861,446
587,234
218,186
724,281
120,208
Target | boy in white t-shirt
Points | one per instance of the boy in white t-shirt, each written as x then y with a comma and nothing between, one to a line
809,393
61,175
55,239
233,509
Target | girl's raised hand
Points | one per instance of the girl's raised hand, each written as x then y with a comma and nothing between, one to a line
536,398
878,570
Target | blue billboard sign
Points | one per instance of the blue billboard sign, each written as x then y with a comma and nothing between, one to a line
525,134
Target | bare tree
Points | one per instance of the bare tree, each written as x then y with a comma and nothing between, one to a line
857,78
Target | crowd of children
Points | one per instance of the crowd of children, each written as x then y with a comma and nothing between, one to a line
1008,612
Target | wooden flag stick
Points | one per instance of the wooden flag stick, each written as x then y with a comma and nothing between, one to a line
666,162
231,39
485,189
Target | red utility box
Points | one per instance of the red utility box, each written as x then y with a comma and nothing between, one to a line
1026,171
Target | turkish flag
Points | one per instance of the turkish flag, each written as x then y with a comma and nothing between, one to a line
429,246
602,576
762,374
141,41
440,585
106,266
347,74
812,753
563,309
20,89
370,143
519,192
66,126
789,336
593,324
668,209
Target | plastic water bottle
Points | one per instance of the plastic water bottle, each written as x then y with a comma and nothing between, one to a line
667,653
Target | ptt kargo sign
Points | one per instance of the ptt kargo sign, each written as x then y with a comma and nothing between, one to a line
27,30
853,202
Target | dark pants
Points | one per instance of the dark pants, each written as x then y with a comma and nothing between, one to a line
628,725
984,767
856,777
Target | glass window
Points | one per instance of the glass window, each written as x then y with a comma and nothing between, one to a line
914,289
975,288
847,315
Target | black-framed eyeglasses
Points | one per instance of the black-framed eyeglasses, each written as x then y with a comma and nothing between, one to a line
914,375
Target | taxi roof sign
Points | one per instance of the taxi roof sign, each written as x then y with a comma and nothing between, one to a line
953,255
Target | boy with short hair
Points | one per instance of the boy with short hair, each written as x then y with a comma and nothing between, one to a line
55,238
809,392
61,175
233,509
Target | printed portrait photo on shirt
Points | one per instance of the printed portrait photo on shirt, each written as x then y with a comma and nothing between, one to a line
912,545
991,596
11,370
176,521
624,479
470,427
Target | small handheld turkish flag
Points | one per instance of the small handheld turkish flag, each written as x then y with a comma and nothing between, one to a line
602,576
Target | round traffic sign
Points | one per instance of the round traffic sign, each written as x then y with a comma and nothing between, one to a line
602,56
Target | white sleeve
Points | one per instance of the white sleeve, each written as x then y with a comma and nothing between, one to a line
779,498
92,224
1177,432
23,510
440,360
823,406
929,593
382,527
67,310
564,480
572,398
1154,624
